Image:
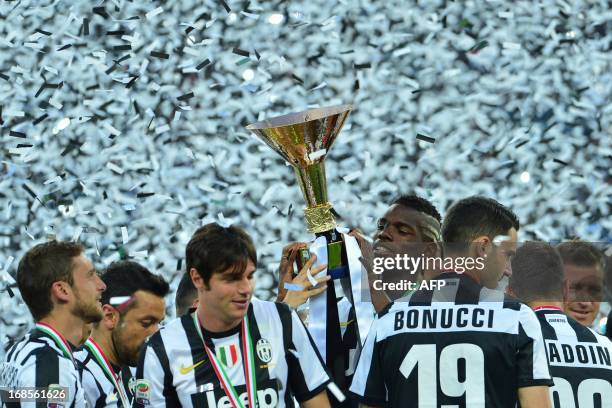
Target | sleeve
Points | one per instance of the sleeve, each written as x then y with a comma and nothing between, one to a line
532,363
307,373
154,385
47,369
368,384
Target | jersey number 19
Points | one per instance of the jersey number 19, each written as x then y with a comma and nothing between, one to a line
422,357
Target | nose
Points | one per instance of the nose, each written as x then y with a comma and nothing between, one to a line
384,235
245,287
101,285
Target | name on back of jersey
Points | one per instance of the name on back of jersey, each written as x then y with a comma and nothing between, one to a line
459,317
578,354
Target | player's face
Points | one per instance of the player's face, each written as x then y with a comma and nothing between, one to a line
399,224
585,292
136,325
228,295
497,263
87,289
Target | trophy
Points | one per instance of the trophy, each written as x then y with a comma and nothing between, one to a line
304,139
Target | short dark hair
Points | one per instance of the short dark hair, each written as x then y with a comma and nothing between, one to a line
537,273
417,203
39,268
213,248
475,216
580,253
186,293
124,278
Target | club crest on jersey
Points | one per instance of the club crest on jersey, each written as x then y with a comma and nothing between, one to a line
264,350
228,354
142,392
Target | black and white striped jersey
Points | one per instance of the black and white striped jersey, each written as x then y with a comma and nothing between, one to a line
98,388
462,345
579,359
36,361
174,370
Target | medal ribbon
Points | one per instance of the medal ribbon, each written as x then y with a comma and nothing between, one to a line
58,339
103,362
248,364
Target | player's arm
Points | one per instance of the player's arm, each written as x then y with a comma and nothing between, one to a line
534,397
318,401
307,374
533,375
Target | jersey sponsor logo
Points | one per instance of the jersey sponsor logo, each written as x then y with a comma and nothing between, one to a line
267,396
142,392
574,354
228,354
187,369
264,350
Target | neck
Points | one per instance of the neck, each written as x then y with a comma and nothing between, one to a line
540,303
213,323
104,338
66,324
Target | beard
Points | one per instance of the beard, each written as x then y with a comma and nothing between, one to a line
124,354
90,312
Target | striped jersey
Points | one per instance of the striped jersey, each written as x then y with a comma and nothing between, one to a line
579,359
174,370
98,387
37,361
459,345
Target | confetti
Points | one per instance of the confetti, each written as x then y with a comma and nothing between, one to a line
425,138
363,66
159,54
154,12
203,64
186,97
238,51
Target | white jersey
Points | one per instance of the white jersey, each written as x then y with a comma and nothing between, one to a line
99,390
174,370
38,362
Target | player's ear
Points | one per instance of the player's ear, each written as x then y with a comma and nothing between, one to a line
110,317
197,280
60,291
481,246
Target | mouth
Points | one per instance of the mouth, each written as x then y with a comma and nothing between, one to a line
580,314
241,304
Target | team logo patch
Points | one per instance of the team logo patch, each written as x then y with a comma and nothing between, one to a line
264,350
228,354
57,398
142,392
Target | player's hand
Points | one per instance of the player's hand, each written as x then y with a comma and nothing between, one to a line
295,298
285,269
